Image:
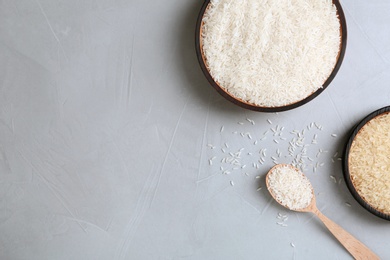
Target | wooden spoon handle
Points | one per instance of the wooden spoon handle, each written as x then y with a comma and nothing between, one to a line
356,248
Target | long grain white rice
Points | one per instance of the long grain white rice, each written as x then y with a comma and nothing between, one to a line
270,52
290,187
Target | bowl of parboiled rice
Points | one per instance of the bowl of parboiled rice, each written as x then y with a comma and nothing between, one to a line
367,163
270,55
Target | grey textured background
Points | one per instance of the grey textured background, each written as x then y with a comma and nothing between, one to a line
105,122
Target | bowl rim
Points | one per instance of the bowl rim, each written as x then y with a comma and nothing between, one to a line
347,175
250,106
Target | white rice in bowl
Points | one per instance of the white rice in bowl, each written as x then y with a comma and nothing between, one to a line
270,53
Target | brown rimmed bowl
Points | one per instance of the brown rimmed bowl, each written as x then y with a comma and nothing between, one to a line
347,176
250,106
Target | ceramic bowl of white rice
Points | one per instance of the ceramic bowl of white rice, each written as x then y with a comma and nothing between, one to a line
270,55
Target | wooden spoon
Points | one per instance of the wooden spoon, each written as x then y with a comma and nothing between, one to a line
356,248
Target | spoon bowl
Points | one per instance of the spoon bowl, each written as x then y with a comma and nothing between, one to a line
289,190
281,171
